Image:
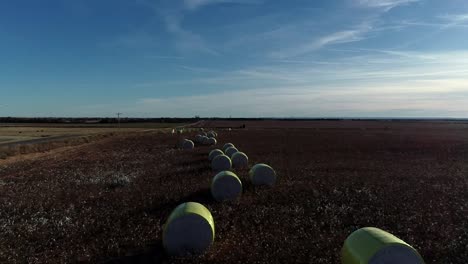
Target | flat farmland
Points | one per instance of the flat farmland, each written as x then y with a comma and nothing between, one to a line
18,132
105,202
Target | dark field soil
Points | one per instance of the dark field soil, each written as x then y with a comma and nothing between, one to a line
105,202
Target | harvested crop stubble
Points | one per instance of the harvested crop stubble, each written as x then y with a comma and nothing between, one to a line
335,178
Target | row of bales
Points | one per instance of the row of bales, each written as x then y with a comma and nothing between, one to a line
190,228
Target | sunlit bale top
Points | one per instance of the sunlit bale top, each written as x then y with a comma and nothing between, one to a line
226,186
188,230
371,245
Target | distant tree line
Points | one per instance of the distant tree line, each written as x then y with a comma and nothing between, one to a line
112,120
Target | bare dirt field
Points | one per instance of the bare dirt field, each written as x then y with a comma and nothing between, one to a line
105,202
18,132
24,138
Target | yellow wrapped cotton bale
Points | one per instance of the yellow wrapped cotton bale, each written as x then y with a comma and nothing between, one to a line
214,153
230,151
199,138
221,163
227,145
262,174
212,141
226,186
188,230
371,245
187,144
239,160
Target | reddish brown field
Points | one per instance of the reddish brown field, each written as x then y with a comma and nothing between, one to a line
105,202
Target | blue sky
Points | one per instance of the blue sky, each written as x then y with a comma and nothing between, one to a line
240,58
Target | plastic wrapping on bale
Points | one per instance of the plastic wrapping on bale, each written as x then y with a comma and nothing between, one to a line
221,163
371,245
230,151
227,145
187,144
198,138
213,134
212,141
188,230
205,140
226,186
262,174
214,153
239,160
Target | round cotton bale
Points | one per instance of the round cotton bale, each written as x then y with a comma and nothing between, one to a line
370,245
198,138
227,145
188,230
221,163
188,144
205,140
210,134
226,186
230,151
214,153
212,141
262,174
239,160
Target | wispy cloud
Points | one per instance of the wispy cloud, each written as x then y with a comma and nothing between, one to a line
185,41
420,98
195,4
386,5
455,18
340,37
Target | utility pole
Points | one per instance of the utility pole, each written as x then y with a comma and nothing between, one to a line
118,119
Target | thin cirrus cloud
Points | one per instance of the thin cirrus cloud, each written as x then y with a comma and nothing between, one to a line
340,37
455,19
380,83
195,4
384,4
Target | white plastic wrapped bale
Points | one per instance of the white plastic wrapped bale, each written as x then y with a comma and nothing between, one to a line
198,138
239,160
230,151
226,186
189,230
212,141
214,153
210,134
221,163
188,144
203,134
205,140
370,245
227,145
262,174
